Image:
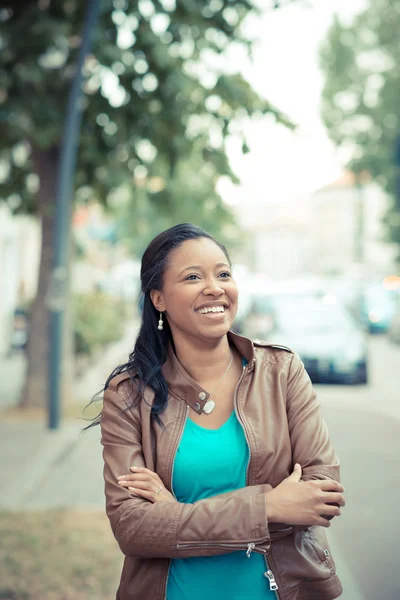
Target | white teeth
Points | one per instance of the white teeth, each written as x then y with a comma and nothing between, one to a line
209,309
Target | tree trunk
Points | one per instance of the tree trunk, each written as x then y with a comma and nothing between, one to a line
35,390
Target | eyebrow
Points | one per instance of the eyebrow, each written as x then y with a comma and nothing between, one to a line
199,267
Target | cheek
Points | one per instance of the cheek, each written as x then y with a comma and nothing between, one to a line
233,294
180,301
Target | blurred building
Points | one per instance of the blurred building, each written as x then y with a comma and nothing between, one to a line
19,266
280,246
347,229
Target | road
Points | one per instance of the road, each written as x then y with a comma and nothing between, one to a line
364,422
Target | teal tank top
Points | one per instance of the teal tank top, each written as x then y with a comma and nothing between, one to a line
210,462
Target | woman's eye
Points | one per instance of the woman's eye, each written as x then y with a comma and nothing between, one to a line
192,278
225,274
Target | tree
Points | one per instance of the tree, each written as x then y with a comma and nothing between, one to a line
149,102
360,103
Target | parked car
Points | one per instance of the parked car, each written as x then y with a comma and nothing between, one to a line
332,346
377,308
259,321
394,329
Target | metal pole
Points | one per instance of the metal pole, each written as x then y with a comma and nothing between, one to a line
57,296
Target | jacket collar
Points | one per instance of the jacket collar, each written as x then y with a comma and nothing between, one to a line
182,385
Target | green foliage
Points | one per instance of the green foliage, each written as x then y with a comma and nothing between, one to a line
97,321
188,195
152,93
361,107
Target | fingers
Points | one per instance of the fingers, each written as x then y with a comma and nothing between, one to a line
139,474
329,485
331,510
296,473
142,483
143,494
322,521
138,477
335,498
145,485
147,472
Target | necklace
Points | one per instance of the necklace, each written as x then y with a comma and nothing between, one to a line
210,404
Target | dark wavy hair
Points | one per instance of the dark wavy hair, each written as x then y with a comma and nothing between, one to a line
151,346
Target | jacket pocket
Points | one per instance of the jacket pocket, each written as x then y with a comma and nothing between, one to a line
319,544
298,559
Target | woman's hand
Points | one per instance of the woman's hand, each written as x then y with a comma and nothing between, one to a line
308,503
147,484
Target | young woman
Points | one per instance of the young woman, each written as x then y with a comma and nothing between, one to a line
219,473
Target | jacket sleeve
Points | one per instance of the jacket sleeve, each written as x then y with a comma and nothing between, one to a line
311,445
209,527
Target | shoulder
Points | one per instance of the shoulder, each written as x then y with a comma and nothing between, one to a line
272,354
121,397
272,346
124,384
117,380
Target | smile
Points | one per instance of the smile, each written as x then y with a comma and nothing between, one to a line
211,309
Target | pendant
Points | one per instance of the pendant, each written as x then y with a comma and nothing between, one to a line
209,407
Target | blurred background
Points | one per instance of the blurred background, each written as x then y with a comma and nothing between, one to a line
272,124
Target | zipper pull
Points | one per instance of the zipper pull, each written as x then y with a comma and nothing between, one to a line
271,579
250,548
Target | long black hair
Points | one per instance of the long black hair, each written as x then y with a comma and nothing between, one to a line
151,346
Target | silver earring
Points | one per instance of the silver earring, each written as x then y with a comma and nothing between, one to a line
160,323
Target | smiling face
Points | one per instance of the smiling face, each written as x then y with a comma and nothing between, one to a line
198,294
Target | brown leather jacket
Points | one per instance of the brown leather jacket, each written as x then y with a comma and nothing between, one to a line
280,415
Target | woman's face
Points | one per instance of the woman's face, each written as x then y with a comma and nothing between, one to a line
199,296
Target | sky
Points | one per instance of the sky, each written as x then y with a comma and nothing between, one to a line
284,165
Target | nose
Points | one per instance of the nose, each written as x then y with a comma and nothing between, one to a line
213,288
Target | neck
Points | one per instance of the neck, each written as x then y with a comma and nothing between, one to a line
203,362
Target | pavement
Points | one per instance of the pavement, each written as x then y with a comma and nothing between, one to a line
12,374
42,468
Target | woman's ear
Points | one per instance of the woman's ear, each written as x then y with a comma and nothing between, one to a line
157,300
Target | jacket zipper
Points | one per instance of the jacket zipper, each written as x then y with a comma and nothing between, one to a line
177,446
273,586
241,422
251,547
172,489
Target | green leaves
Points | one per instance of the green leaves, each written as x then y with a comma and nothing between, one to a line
360,98
146,86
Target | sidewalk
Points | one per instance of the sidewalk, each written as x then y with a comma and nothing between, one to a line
12,373
42,469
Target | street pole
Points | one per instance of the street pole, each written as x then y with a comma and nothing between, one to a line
57,296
